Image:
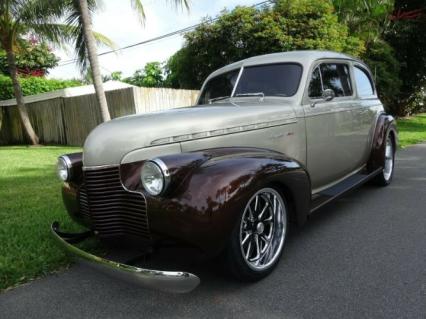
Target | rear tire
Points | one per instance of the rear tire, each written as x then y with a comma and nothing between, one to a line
258,237
386,175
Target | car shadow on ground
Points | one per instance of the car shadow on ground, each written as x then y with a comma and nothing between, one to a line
212,272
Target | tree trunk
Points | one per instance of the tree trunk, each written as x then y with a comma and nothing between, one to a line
93,58
20,98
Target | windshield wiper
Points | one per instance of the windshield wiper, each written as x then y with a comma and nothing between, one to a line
260,94
218,99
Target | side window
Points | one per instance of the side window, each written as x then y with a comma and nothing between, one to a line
363,82
335,76
315,86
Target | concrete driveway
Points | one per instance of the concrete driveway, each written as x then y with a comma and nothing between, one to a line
363,256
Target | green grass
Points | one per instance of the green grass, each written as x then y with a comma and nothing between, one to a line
412,130
30,199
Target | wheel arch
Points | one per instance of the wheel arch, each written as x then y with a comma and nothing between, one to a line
205,204
385,125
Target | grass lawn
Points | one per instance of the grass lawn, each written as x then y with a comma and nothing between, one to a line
30,199
412,130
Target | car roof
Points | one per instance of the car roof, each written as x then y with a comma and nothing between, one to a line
304,57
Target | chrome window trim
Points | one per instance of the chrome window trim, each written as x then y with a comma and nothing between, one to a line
237,81
370,78
307,100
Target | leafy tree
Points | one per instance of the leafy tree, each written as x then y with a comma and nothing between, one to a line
248,31
150,76
369,20
32,58
408,38
380,57
116,76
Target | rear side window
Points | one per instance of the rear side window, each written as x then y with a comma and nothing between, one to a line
364,86
334,76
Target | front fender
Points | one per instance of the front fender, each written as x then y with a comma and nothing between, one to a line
210,192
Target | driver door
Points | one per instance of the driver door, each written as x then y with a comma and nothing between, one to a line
329,124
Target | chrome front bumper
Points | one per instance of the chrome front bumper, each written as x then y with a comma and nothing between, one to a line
170,281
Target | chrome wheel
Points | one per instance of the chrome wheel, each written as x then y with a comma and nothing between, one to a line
389,153
263,228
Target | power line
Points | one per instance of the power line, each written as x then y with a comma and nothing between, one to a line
170,34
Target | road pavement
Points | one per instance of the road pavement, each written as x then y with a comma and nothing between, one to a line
363,256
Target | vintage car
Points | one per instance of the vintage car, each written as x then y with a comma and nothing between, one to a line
271,140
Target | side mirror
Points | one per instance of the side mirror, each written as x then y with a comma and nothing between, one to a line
328,95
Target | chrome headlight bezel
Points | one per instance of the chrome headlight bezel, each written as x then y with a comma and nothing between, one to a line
163,174
63,168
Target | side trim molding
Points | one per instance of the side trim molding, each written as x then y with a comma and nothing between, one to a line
225,131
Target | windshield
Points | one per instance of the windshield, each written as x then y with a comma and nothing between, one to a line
260,80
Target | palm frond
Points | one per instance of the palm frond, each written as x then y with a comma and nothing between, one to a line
181,3
138,7
74,21
103,40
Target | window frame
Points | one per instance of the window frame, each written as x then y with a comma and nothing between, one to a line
370,78
209,78
309,100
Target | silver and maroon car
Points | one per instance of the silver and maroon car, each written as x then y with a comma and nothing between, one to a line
271,139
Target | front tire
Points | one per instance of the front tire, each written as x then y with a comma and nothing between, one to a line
258,238
386,175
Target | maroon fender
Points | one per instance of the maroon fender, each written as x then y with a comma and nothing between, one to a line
385,125
209,190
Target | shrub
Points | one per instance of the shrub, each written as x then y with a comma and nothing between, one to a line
150,76
33,85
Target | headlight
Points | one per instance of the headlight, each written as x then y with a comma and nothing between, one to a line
155,176
63,168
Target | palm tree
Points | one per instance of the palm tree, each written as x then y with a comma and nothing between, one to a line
369,19
82,16
20,18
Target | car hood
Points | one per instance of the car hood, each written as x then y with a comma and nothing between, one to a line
110,141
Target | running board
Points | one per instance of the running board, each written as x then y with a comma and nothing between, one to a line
326,196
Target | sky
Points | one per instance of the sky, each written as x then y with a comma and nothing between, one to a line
119,22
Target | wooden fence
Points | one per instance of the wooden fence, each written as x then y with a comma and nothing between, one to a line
68,120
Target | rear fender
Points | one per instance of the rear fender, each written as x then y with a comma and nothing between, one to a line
385,125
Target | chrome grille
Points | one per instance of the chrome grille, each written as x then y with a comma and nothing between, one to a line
84,202
113,210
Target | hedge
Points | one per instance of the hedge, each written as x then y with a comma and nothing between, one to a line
33,85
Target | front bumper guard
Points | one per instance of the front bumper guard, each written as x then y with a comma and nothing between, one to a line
170,281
